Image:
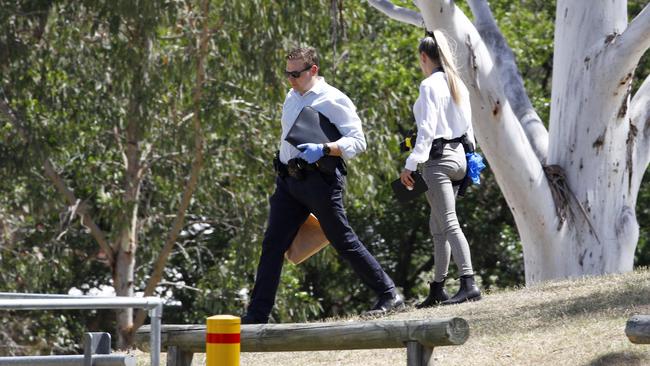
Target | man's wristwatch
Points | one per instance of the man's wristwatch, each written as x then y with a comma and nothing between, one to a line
326,150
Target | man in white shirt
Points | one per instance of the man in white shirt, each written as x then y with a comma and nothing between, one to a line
313,191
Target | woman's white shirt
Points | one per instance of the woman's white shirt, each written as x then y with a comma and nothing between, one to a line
438,116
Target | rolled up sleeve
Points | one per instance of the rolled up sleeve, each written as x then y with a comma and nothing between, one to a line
343,114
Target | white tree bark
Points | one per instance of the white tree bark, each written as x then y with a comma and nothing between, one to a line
505,62
397,12
640,117
589,141
588,133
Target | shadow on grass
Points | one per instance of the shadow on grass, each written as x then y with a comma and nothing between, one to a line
620,359
598,302
615,301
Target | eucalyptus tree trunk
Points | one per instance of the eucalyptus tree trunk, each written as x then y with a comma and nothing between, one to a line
592,136
199,22
572,190
126,242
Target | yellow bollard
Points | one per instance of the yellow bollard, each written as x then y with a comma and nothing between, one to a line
222,340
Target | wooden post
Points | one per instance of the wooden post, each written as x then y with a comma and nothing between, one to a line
178,357
637,329
418,355
419,336
353,335
320,336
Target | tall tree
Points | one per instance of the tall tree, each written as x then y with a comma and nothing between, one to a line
106,61
572,189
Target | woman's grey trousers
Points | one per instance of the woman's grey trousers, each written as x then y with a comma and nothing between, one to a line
448,238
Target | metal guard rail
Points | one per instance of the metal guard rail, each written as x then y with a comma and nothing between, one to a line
15,301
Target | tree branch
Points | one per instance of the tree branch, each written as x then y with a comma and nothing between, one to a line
82,210
629,47
634,41
626,51
514,89
117,132
177,224
640,117
397,12
59,184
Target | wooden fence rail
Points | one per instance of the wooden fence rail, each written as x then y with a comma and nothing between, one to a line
637,329
418,336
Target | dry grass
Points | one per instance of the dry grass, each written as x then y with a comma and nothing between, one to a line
577,322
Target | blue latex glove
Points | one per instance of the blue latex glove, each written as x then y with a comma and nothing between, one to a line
474,166
311,152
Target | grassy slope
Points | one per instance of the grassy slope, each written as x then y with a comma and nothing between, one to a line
577,322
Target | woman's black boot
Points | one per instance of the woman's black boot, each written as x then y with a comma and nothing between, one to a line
468,291
437,294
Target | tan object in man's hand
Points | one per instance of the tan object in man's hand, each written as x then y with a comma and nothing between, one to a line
309,240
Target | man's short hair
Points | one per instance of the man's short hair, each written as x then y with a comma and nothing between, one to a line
307,54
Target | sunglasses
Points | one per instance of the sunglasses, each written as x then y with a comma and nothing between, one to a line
296,74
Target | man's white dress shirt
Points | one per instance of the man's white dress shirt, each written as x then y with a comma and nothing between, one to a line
438,116
332,103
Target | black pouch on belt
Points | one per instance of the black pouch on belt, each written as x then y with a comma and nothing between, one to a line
296,168
436,149
466,144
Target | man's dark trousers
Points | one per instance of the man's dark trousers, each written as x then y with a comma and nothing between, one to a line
293,200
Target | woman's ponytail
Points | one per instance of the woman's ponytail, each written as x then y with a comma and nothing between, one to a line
435,46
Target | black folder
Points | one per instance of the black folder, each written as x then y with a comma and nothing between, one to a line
312,126
403,195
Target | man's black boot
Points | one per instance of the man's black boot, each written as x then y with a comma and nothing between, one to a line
468,291
385,305
437,294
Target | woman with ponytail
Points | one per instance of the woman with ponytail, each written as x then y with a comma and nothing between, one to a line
443,116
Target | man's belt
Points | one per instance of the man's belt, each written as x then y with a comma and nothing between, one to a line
297,167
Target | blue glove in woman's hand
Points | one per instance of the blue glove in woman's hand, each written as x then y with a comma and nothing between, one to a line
311,152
